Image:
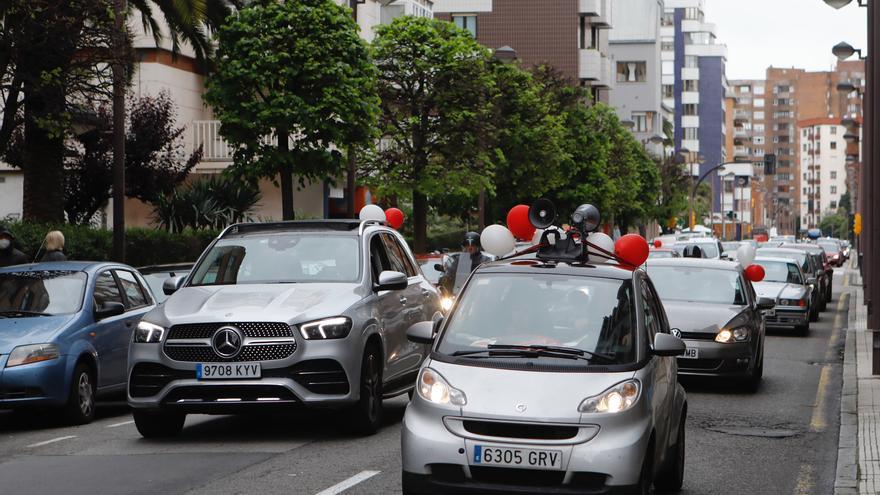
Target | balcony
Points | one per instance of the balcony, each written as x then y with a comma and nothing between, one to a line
740,133
742,115
740,152
415,8
590,64
599,12
206,133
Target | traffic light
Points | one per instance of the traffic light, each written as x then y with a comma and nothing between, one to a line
857,224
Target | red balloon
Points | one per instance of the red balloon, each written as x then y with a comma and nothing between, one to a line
518,223
658,243
632,248
394,217
755,273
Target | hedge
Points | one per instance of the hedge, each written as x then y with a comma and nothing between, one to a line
142,247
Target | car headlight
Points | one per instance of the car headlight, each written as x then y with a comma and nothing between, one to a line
34,353
794,302
446,303
328,328
616,399
148,333
725,336
434,388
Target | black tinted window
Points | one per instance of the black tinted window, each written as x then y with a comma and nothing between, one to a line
106,290
398,257
133,290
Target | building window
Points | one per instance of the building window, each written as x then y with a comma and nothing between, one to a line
667,44
834,145
690,85
805,191
758,116
692,61
782,102
834,130
667,68
759,102
642,122
758,139
691,133
668,91
833,189
804,133
690,109
759,90
632,72
668,18
782,88
805,176
692,13
759,128
804,148
833,174
467,22
744,89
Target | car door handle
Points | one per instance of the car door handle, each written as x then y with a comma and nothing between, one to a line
403,300
426,293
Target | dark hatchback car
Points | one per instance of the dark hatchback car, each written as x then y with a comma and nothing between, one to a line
713,307
64,333
810,270
824,268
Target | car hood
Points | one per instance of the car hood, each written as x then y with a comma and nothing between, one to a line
701,317
30,330
547,396
289,303
777,290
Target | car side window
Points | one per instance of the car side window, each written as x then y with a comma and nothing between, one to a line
398,256
134,293
651,318
106,290
378,257
663,323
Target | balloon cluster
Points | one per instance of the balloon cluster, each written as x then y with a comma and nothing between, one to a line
745,254
392,216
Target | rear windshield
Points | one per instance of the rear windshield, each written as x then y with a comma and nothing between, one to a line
780,271
596,315
280,258
698,284
799,256
709,249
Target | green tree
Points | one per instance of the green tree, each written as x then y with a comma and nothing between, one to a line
436,86
835,225
299,73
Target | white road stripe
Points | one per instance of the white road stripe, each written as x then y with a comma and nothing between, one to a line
114,425
47,442
345,485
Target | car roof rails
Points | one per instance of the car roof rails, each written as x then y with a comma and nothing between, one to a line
367,223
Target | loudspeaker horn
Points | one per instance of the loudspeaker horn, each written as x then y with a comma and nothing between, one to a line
542,213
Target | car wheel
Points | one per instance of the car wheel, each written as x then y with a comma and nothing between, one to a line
646,477
814,313
158,424
366,415
753,382
671,478
80,408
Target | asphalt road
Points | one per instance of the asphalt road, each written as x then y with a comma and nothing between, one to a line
780,440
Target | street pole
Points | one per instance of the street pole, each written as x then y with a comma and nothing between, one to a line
119,9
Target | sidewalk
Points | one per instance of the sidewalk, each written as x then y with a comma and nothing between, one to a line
858,456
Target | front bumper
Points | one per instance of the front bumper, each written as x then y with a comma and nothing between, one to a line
717,359
37,384
315,376
436,460
787,318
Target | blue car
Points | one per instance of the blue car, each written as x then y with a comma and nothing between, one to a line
64,333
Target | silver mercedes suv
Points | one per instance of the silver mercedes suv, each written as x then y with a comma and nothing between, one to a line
310,313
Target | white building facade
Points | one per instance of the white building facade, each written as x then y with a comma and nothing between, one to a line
822,169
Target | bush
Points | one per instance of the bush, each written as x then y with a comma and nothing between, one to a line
143,246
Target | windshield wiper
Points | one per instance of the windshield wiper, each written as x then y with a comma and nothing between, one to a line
21,312
502,350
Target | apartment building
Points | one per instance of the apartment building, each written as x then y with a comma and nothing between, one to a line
695,85
822,168
568,35
747,140
634,47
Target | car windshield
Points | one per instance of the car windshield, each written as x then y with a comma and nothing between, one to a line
830,247
698,284
595,315
730,246
280,258
709,249
41,292
780,271
799,256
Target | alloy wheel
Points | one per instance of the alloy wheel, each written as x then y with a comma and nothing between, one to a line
86,394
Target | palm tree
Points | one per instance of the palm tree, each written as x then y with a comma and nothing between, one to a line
186,21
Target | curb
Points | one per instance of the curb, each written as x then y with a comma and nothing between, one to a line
846,480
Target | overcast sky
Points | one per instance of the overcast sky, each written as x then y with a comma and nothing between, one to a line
783,33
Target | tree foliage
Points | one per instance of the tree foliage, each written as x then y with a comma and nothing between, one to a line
211,203
435,84
835,225
292,80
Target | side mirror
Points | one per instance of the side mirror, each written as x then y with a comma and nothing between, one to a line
390,280
421,332
108,310
667,345
439,267
171,284
766,303
811,280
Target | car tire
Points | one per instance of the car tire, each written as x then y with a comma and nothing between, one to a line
646,477
158,424
80,407
671,478
828,293
365,417
753,382
814,314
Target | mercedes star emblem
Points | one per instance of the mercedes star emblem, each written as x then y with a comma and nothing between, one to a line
676,332
227,342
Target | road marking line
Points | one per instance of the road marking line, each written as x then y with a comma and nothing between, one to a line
47,442
345,485
805,483
818,422
838,326
121,424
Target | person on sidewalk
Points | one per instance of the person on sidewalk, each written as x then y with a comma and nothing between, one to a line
54,247
8,254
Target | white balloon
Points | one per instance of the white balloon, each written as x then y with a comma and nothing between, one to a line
603,241
745,254
372,212
497,240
